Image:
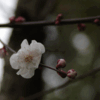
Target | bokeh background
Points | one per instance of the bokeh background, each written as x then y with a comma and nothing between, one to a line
81,50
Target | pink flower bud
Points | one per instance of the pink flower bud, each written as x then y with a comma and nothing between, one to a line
81,27
20,19
63,75
71,73
61,63
58,19
3,52
12,19
60,16
97,21
57,22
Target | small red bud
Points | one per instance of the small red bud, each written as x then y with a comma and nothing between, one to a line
3,52
20,19
61,63
57,22
60,16
12,19
63,75
58,19
71,73
97,21
81,27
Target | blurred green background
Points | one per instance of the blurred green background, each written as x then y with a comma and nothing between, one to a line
82,51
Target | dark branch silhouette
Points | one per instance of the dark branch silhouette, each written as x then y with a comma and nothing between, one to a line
45,23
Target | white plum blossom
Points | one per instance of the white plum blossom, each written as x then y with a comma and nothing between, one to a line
27,59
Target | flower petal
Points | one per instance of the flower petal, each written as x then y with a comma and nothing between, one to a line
21,58
27,59
33,42
22,71
37,47
42,48
34,46
24,44
29,73
14,61
36,61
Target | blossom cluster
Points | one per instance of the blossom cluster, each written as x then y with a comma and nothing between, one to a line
28,58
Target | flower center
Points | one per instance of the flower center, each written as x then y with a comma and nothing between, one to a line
28,58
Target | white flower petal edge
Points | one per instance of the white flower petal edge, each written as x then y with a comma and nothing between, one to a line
27,59
14,61
27,73
24,43
38,46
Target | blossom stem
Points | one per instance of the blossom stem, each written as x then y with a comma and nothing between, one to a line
46,23
7,46
42,65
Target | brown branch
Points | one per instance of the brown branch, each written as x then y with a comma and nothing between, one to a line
7,47
42,65
45,23
42,93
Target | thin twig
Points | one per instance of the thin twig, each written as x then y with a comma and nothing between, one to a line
42,65
42,93
45,23
7,46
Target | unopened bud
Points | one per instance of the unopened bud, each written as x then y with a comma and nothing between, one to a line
12,19
63,74
3,52
58,19
60,16
71,73
81,27
97,21
20,19
61,63
57,22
